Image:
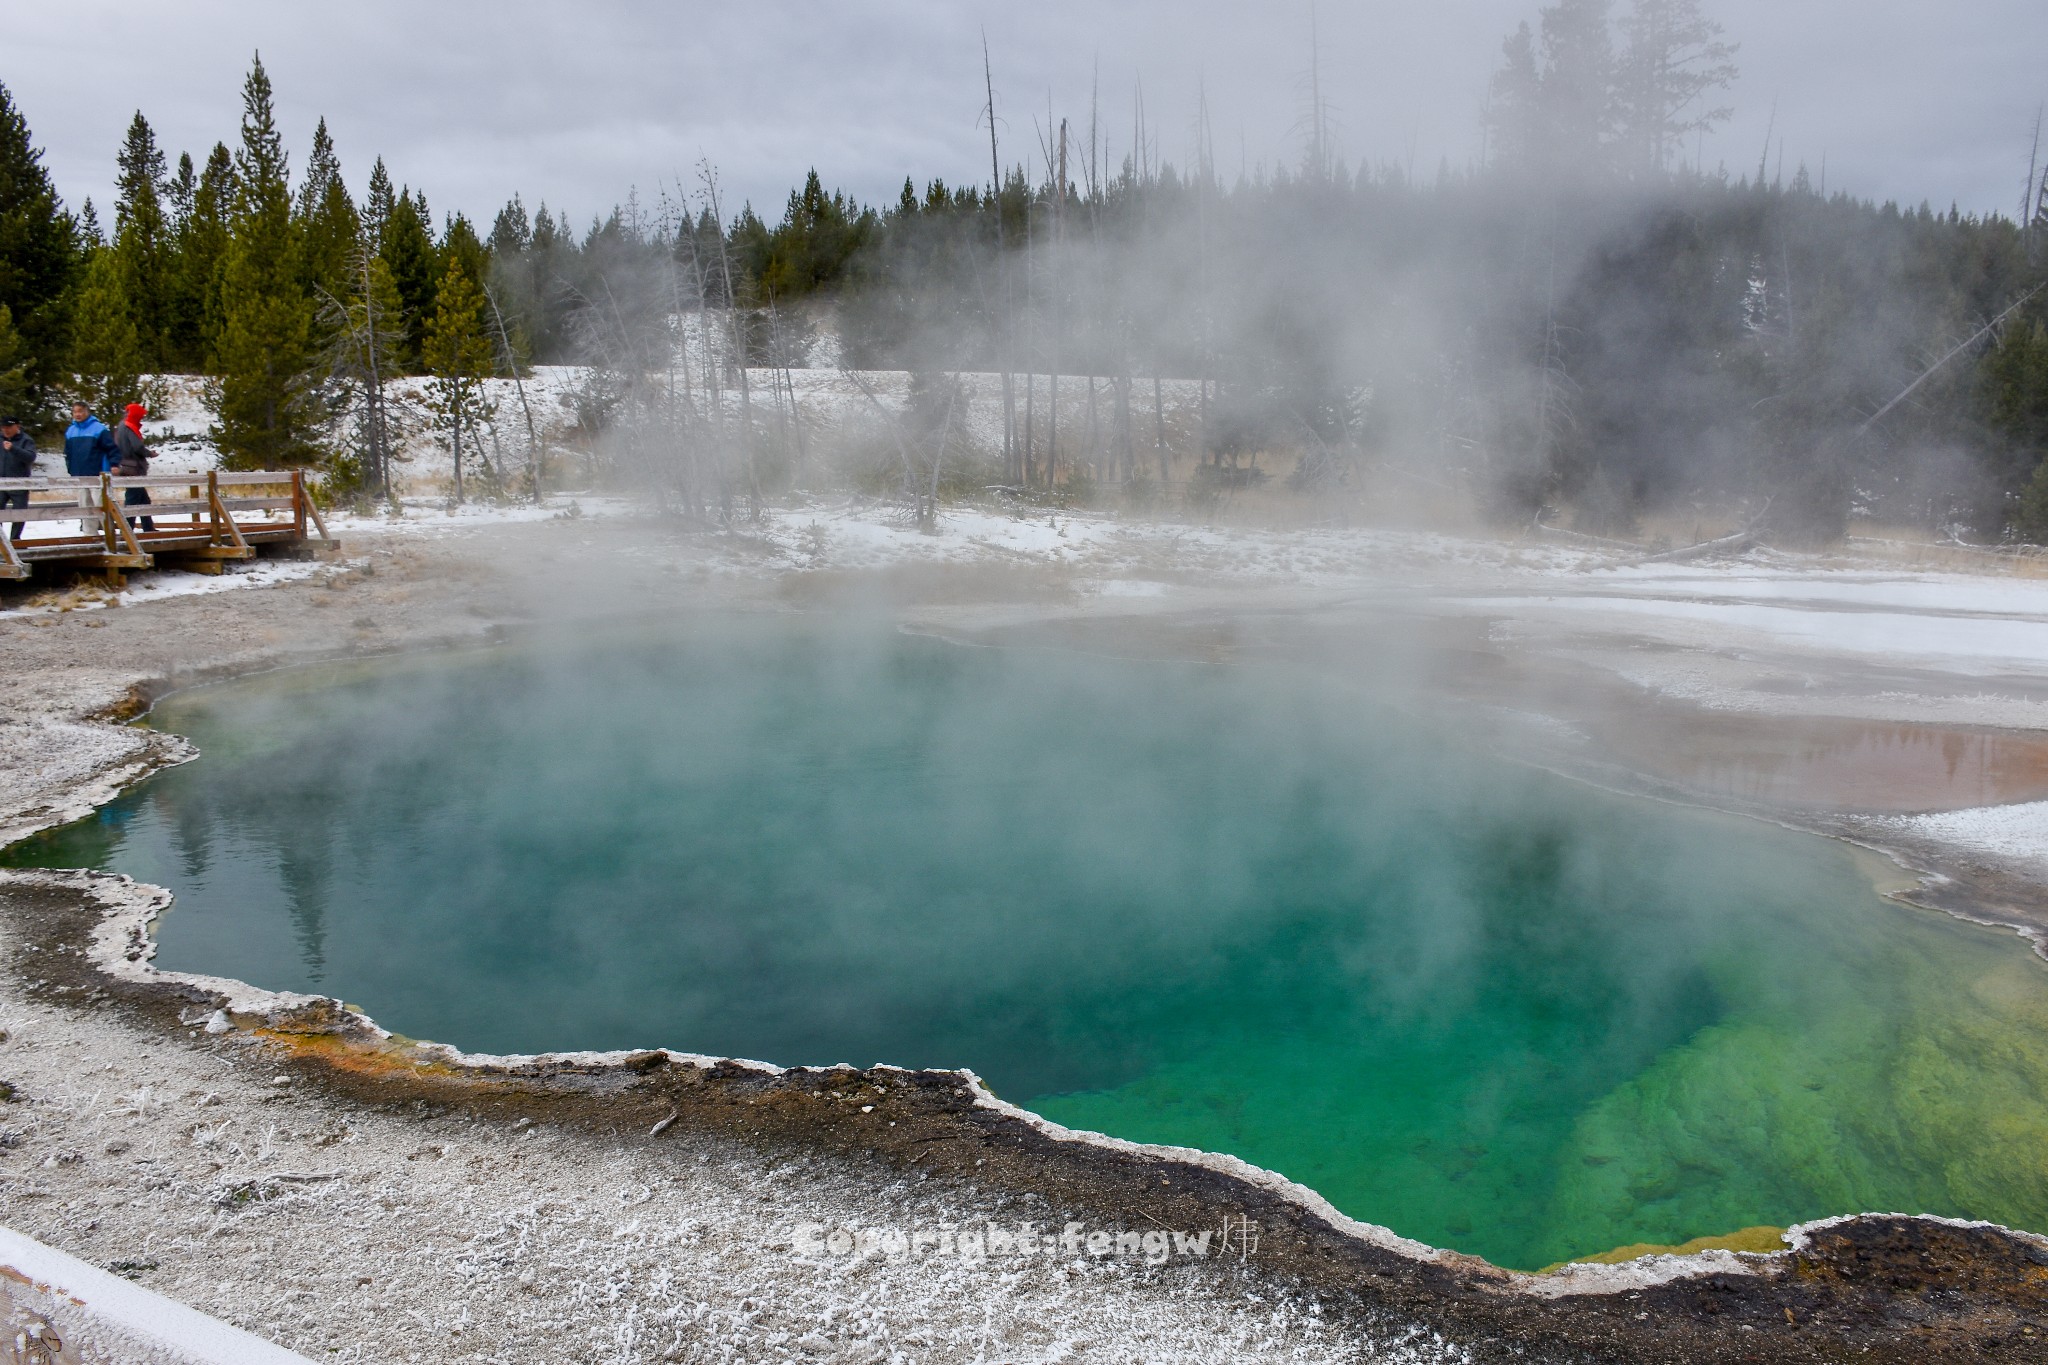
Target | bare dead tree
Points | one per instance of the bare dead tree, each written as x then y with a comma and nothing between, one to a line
2030,198
713,373
535,452
1013,467
734,324
360,357
1942,363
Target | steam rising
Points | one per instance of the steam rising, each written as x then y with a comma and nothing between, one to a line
1251,908
1586,326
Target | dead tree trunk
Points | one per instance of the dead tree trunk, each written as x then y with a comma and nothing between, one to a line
1159,429
735,326
458,441
1094,433
533,446
1013,467
1030,393
1052,427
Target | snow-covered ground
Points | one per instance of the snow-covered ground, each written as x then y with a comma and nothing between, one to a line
2015,834
1105,547
830,406
1833,620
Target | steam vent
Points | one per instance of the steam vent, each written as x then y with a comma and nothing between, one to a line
1361,693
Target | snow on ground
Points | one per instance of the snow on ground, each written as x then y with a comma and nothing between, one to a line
259,573
2017,833
1972,645
428,518
1101,546
1958,623
824,401
154,585
1786,606
1753,579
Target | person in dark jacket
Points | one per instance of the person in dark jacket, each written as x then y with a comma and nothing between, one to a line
17,461
89,448
132,457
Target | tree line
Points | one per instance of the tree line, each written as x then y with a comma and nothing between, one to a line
1586,318
230,270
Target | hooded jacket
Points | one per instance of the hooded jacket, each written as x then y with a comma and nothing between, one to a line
133,457
18,457
88,448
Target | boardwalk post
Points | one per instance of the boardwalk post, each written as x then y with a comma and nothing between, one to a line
319,522
10,563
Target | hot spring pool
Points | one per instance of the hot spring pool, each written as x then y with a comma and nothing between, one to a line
1242,908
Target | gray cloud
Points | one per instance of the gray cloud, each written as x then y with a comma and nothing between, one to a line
574,104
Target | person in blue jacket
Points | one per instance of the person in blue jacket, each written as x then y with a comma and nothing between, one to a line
89,449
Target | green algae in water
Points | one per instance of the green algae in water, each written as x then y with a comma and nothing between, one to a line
1237,908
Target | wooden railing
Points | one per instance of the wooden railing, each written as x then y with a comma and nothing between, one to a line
198,520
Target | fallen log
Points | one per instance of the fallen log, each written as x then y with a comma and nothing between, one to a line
1734,544
1581,538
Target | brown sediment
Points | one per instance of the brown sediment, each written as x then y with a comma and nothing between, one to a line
1762,1239
1832,764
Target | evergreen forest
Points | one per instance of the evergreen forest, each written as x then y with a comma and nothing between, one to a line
1584,319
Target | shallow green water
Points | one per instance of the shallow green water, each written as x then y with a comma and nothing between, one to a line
1239,908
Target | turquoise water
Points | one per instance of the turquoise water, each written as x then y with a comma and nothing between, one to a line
1236,907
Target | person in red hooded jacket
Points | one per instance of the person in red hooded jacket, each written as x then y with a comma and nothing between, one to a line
133,460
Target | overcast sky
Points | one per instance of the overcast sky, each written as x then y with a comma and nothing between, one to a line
576,101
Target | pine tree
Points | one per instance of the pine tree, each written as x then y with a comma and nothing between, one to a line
323,168
2012,380
459,355
549,260
1672,58
460,246
327,222
195,281
107,351
179,192
512,279
16,396
266,409
142,237
1578,74
511,231
378,201
38,255
1551,105
408,250
1514,102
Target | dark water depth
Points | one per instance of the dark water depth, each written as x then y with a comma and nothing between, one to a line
1232,907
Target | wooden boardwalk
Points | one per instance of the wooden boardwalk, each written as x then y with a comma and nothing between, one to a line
201,521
